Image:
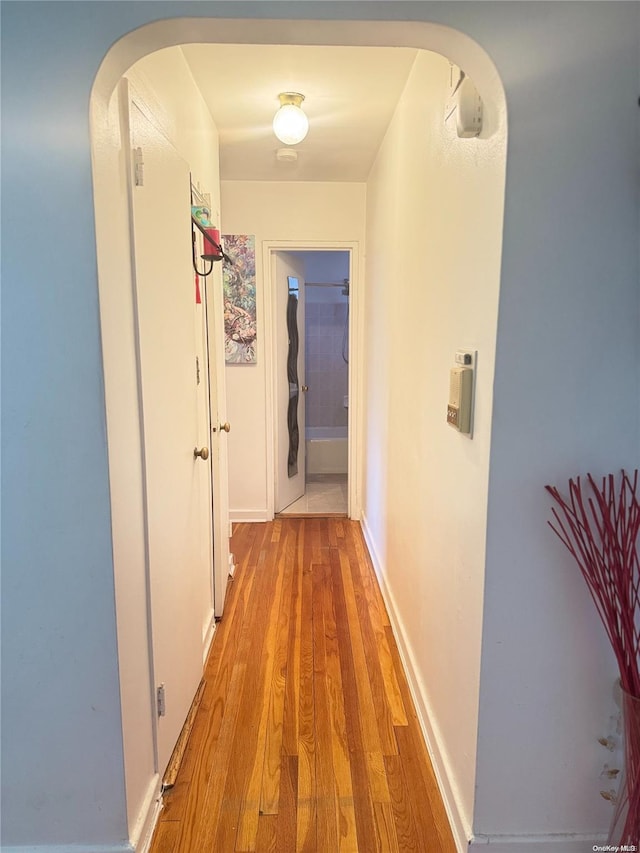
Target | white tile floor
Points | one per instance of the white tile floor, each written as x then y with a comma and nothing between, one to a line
324,494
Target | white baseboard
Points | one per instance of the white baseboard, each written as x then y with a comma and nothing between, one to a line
538,843
208,637
248,515
460,826
141,832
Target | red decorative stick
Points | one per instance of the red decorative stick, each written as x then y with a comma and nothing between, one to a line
600,526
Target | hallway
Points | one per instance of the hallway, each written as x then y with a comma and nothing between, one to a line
306,738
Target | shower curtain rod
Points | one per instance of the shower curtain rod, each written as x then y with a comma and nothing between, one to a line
342,283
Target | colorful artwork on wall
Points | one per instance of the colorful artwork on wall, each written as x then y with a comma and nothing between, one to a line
240,299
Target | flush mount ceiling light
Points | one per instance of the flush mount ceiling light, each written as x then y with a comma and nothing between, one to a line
290,124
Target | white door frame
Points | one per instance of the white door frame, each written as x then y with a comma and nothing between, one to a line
356,360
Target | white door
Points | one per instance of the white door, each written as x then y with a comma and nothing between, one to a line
179,566
205,508
288,279
211,337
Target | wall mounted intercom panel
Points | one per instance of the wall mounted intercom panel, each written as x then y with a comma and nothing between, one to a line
459,408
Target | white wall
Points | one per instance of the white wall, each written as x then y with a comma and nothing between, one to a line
434,228
303,213
162,85
569,296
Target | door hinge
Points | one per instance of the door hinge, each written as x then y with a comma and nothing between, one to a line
161,699
138,167
197,370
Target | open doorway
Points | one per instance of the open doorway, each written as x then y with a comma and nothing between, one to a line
326,384
313,465
350,214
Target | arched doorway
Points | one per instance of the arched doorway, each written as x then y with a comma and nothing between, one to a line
115,275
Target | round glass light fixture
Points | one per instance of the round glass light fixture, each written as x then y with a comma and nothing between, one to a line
290,124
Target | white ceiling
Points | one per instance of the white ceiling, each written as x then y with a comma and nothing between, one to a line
350,96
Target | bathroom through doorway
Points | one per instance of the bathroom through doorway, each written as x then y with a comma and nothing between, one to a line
326,383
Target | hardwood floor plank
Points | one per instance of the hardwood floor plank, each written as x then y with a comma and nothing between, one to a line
250,802
366,831
165,837
292,682
318,542
173,802
238,720
406,831
306,807
270,794
430,817
331,533
326,811
383,715
345,809
266,839
363,805
428,808
306,739
228,630
377,778
277,528
370,731
286,832
220,702
386,827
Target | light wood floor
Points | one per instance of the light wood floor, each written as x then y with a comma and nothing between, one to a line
306,738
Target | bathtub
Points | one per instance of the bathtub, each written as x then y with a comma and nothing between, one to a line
327,450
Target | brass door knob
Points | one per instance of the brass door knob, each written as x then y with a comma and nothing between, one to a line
305,387
225,426
203,453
